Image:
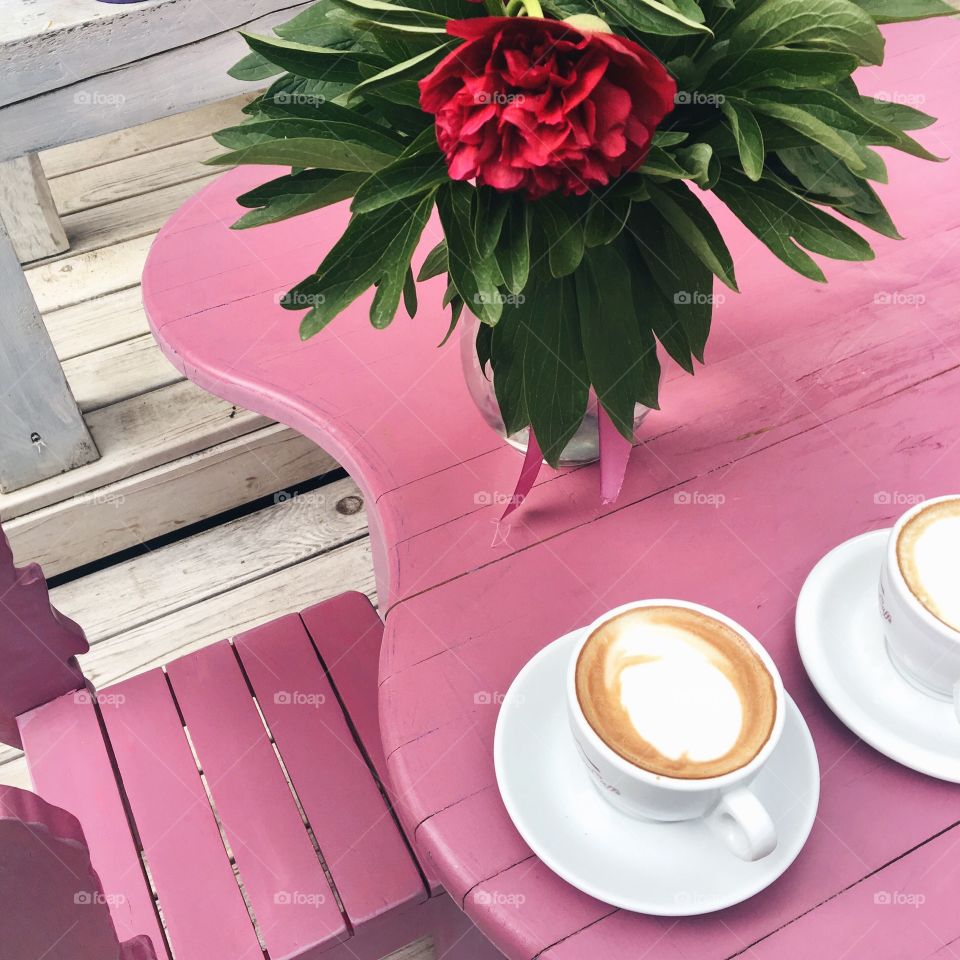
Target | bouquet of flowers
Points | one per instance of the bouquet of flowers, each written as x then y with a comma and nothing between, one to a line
565,145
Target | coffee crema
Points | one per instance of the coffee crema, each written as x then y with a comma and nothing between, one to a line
928,555
676,692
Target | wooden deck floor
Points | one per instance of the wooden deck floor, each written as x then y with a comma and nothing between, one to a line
172,455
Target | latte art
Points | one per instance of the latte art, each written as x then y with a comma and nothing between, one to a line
676,692
928,554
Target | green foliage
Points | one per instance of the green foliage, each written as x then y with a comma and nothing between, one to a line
575,293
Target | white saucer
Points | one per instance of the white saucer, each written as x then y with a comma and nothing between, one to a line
842,646
665,869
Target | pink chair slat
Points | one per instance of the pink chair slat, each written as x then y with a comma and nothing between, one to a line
37,644
71,767
204,911
284,879
52,906
348,633
371,866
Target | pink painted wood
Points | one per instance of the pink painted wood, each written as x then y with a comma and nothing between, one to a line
70,766
37,644
820,408
52,905
202,905
364,851
283,877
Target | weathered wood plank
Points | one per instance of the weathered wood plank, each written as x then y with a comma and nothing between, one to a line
75,279
179,575
29,210
144,137
136,435
118,373
94,324
169,82
133,176
41,431
230,613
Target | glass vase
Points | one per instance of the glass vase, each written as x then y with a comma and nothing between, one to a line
584,445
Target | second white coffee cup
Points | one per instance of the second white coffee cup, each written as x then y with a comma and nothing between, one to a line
725,802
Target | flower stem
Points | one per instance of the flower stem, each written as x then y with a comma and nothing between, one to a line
494,7
533,8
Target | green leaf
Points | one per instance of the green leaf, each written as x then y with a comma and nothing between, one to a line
618,358
290,96
364,254
651,16
396,265
564,235
695,227
435,263
416,67
513,247
316,63
655,314
410,294
295,194
813,129
333,145
781,67
606,219
323,25
835,25
381,11
488,213
475,277
784,223
254,66
746,132
892,114
539,373
484,343
899,11
408,175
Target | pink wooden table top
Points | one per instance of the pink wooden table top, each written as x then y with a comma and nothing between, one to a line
819,410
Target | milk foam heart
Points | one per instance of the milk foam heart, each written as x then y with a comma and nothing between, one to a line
928,553
676,692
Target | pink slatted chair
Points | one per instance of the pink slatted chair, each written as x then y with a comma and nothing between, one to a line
231,803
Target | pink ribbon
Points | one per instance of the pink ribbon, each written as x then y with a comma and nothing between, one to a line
532,461
614,453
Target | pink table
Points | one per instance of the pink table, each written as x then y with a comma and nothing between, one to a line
819,411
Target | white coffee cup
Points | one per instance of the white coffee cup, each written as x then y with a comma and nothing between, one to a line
725,802
922,647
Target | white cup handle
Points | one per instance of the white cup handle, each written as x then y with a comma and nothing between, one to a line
744,825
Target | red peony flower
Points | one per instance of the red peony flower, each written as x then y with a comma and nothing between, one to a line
539,105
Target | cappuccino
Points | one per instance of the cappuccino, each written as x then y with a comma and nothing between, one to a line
928,555
676,692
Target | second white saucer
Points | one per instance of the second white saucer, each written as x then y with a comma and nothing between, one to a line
841,643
